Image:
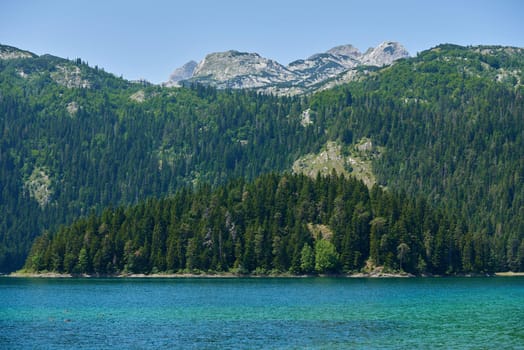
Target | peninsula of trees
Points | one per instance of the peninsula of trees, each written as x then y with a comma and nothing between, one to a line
276,224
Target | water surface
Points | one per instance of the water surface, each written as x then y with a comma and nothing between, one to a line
316,313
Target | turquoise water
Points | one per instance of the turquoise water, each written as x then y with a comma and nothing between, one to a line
320,313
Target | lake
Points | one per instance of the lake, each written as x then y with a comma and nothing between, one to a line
274,313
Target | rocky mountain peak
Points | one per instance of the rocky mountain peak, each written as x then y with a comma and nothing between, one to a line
345,50
384,54
10,53
234,69
225,65
184,72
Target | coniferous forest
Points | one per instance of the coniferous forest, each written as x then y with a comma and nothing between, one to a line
278,223
183,171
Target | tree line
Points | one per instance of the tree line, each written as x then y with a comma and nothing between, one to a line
275,224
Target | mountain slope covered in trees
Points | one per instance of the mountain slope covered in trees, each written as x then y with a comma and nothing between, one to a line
448,123
76,139
451,125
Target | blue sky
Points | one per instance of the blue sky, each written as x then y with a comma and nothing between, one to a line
149,39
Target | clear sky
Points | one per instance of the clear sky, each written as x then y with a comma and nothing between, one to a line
149,39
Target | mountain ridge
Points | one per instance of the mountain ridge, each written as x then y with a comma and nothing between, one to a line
239,70
10,52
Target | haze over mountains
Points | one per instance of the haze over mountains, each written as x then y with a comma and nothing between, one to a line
239,70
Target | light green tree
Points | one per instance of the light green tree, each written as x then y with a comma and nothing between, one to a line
326,256
83,261
307,259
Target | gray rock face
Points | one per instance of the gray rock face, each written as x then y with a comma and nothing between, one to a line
70,76
322,66
9,53
384,54
183,73
345,50
241,70
237,70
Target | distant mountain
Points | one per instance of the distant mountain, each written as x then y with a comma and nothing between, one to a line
233,69
9,53
239,70
182,73
384,54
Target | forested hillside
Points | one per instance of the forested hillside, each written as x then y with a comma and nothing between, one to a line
68,149
449,124
278,223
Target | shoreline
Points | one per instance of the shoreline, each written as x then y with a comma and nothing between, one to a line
233,275
204,275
